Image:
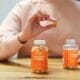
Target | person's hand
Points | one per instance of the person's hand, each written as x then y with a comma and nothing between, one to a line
33,28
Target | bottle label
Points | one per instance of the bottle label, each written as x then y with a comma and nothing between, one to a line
39,59
70,58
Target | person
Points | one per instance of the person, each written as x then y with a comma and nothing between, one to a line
21,27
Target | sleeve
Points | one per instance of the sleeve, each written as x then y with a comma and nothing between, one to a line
9,30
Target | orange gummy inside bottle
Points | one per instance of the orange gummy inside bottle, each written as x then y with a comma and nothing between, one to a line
39,59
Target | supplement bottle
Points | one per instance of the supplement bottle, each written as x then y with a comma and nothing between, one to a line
70,54
39,57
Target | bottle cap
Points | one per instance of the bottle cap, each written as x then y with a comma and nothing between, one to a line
40,42
70,41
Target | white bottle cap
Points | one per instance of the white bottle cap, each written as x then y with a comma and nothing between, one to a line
70,41
40,42
45,23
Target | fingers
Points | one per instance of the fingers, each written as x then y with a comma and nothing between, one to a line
42,16
39,16
54,23
33,18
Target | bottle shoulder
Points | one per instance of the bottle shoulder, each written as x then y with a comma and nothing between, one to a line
37,47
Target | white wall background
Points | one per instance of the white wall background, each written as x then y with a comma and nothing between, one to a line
5,7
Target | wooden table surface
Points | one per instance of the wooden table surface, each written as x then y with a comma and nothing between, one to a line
20,69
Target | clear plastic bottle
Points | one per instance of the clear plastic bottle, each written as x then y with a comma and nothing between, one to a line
70,54
39,57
